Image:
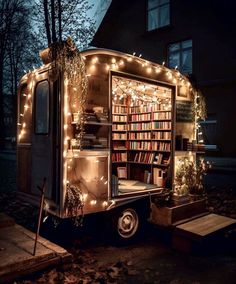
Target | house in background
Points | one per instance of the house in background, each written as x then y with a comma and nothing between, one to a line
197,36
100,8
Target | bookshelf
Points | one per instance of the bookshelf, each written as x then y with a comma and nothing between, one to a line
141,138
119,134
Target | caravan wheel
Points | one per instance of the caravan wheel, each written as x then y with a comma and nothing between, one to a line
127,223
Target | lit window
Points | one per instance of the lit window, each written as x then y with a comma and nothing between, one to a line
180,55
158,14
42,108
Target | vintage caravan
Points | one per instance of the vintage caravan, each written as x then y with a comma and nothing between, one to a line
105,129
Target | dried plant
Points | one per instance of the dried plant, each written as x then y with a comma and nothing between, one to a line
74,203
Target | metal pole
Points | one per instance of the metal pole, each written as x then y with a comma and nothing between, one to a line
42,189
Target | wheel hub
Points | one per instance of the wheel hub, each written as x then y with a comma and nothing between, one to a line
128,223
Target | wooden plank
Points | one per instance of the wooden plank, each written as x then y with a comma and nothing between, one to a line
207,225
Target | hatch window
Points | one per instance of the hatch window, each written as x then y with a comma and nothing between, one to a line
42,108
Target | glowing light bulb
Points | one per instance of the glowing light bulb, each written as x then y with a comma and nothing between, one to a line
84,196
94,59
93,202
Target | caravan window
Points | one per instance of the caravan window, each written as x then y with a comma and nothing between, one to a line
42,108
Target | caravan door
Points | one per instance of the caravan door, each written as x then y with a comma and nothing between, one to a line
44,137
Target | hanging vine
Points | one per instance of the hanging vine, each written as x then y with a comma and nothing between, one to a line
67,59
74,204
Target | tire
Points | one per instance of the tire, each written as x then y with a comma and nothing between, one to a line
126,225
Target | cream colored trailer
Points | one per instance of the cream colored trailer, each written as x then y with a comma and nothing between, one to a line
137,120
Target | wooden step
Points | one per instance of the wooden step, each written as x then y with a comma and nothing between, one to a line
200,230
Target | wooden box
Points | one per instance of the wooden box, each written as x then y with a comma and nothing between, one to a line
168,216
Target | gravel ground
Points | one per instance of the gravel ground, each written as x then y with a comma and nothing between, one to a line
148,260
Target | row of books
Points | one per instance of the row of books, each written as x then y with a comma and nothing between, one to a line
119,127
165,135
140,126
165,105
119,118
140,145
161,146
119,109
140,117
143,117
151,158
155,135
144,157
162,115
161,125
119,136
141,109
139,135
146,145
119,157
150,125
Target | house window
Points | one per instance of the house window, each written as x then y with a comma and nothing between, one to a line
180,55
42,108
158,14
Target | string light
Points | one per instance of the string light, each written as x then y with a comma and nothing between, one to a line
129,88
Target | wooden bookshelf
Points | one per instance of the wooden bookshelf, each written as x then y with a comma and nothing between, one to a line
145,131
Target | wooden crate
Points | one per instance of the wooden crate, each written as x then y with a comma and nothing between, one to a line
170,216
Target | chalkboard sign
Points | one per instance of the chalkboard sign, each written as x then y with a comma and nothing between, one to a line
184,111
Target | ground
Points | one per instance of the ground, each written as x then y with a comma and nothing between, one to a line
150,259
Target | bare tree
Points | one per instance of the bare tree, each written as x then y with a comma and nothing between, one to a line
15,39
64,18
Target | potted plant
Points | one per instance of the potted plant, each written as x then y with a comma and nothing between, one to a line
189,179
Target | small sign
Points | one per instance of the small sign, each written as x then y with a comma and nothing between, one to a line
184,111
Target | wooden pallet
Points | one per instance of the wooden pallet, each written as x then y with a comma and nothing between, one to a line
16,252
